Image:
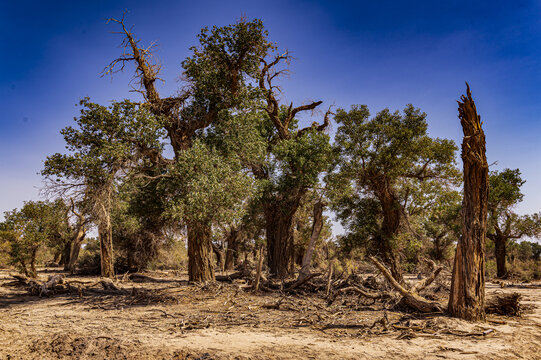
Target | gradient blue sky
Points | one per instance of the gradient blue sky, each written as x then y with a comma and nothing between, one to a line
379,53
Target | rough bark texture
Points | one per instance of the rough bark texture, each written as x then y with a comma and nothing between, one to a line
233,246
317,226
389,226
106,247
467,296
200,264
279,216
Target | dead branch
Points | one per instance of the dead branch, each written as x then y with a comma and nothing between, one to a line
412,299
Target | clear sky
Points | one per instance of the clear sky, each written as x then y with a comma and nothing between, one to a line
379,53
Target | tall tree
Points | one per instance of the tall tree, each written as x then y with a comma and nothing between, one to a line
217,78
98,154
467,298
297,158
383,161
503,223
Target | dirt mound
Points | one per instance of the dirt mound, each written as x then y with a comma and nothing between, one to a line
65,346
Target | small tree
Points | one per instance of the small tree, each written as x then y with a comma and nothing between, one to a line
98,154
27,230
504,224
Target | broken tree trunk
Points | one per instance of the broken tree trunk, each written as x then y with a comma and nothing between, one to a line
410,297
467,296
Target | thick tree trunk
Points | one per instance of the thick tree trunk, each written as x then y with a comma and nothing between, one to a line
106,247
500,243
56,258
233,245
200,264
317,226
389,229
467,296
66,255
76,247
279,215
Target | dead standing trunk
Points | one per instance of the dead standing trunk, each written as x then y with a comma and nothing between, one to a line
200,264
467,298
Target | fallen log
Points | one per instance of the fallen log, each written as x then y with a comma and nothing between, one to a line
410,297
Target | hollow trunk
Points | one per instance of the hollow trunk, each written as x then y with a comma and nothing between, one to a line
467,297
200,264
106,247
317,226
279,215
232,252
500,243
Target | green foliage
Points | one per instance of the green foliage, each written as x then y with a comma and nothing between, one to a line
505,193
106,140
26,230
388,158
205,187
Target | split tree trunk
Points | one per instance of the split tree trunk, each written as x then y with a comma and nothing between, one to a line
467,298
500,244
200,264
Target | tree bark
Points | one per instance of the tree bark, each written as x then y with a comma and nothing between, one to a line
389,227
233,245
279,215
500,243
467,296
200,264
66,255
317,226
106,250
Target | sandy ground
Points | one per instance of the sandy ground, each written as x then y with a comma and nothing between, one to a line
174,320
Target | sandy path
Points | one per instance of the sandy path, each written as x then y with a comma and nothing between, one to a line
62,327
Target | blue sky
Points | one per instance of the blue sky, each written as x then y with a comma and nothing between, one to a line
379,53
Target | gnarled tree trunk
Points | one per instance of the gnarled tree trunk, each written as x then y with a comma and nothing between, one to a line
279,215
66,255
467,298
200,264
389,229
